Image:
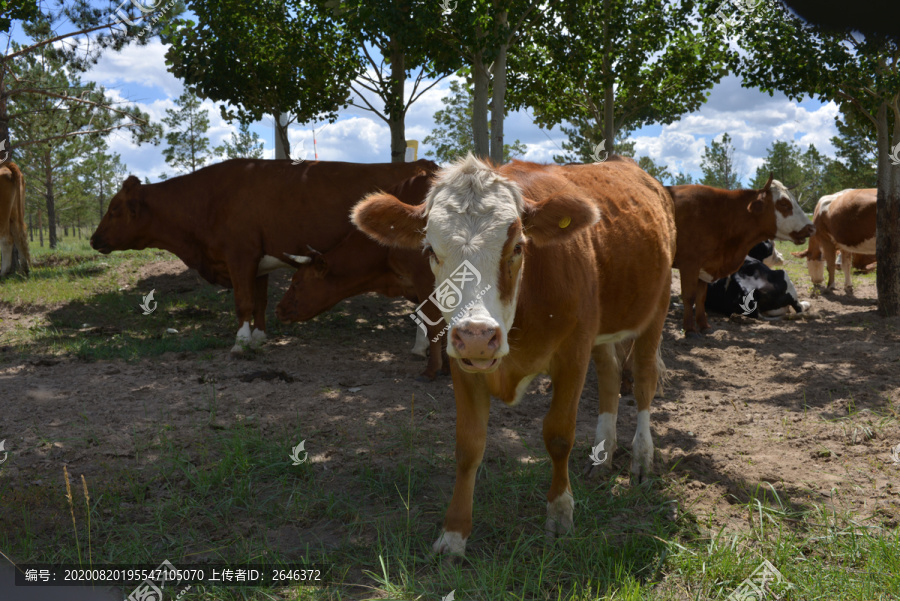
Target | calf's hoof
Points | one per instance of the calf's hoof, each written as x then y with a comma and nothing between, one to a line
559,516
450,543
693,334
426,376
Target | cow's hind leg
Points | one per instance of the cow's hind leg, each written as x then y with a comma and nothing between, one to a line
244,294
559,436
649,370
260,300
847,267
702,322
608,383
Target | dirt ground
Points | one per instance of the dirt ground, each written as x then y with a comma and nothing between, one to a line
807,406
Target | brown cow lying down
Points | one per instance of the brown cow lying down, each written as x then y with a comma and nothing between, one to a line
13,240
547,267
716,230
237,221
844,221
358,265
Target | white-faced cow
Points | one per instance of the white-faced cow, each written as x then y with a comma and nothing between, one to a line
237,221
844,221
13,239
716,229
540,268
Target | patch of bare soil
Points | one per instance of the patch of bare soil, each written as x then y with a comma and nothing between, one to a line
807,407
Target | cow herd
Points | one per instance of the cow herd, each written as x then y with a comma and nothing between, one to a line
518,270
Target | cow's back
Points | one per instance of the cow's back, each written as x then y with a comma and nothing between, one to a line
849,219
619,266
248,198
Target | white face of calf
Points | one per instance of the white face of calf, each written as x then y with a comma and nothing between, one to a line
790,221
475,227
474,239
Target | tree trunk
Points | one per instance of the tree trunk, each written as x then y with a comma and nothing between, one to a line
394,109
609,124
31,226
498,98
887,237
281,137
51,203
480,137
41,228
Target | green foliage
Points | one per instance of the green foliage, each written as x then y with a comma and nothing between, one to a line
244,144
718,165
188,146
625,63
264,58
660,172
452,138
856,150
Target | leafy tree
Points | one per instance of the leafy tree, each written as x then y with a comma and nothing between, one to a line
188,146
861,74
621,64
244,144
103,175
452,138
718,165
86,32
283,58
402,33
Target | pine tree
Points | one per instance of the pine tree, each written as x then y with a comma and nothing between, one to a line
452,138
718,165
188,147
244,144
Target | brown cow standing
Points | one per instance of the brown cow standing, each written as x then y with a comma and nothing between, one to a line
716,230
237,221
358,265
13,238
844,221
578,258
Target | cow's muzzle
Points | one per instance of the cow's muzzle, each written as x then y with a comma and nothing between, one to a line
100,245
799,237
476,344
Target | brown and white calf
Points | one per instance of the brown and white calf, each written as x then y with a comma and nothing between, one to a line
540,268
844,221
716,230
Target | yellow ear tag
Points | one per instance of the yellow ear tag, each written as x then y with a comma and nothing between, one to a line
564,222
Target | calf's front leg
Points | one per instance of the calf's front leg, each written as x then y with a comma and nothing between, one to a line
473,405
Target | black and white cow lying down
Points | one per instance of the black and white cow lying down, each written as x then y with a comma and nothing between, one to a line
755,291
766,252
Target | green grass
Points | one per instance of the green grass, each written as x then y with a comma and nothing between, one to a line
220,498
202,493
88,306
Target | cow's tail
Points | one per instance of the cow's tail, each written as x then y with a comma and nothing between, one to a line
17,219
800,254
662,373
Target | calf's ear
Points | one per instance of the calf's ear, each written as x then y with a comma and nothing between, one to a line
385,219
559,216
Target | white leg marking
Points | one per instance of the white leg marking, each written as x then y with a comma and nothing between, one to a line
706,277
613,338
268,264
421,344
847,267
257,338
521,387
606,433
451,543
243,338
642,445
559,514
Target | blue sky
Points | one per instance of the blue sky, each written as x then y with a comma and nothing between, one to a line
752,118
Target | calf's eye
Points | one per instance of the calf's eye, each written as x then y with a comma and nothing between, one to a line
517,249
